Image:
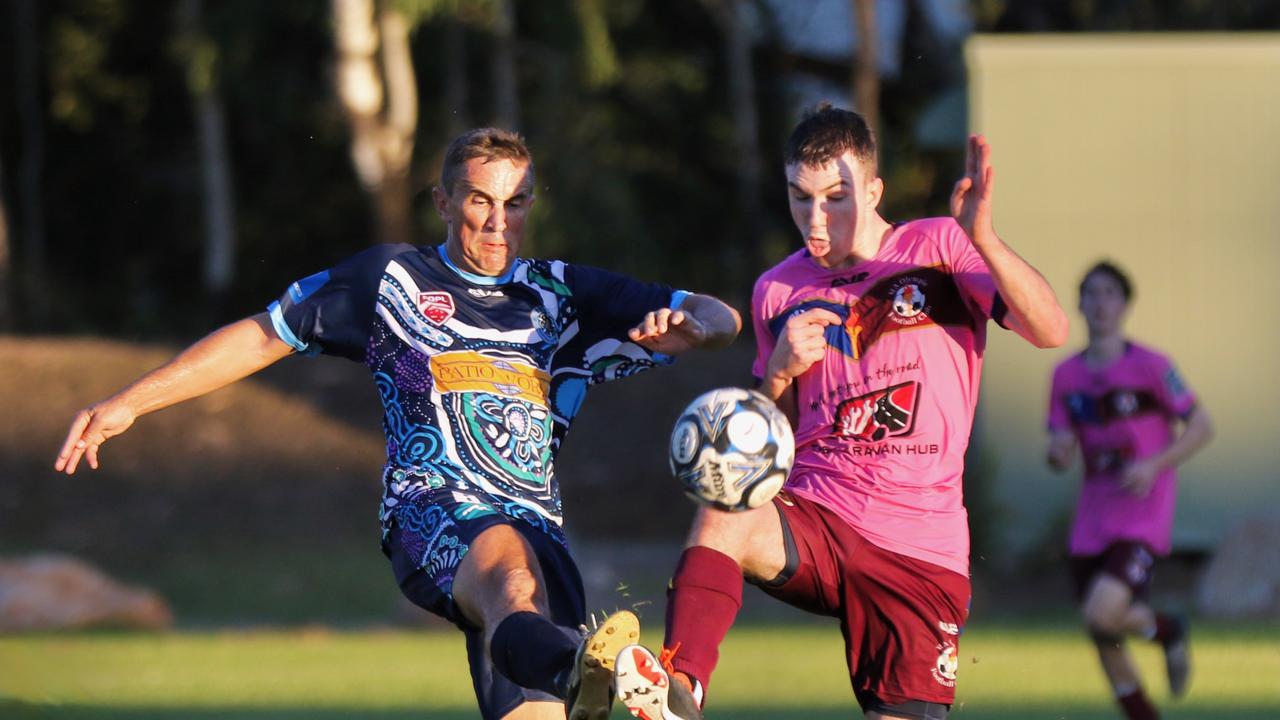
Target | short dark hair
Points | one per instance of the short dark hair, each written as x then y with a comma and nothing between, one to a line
488,143
1110,269
825,133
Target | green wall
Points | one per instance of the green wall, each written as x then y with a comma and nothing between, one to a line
1161,152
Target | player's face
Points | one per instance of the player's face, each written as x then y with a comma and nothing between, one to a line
830,206
486,213
1103,304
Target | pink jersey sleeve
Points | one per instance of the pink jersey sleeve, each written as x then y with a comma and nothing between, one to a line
1177,398
971,272
1059,417
765,341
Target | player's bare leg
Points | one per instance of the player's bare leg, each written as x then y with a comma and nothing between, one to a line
1111,613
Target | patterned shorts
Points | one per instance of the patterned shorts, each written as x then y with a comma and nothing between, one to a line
428,538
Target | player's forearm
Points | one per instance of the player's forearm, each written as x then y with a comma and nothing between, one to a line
1197,433
219,359
1034,311
722,322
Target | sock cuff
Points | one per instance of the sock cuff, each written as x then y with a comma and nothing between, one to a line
709,569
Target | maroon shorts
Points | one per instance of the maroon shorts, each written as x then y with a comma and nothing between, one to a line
1128,561
901,617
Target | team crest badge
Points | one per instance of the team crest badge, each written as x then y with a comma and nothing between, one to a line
908,300
436,306
947,664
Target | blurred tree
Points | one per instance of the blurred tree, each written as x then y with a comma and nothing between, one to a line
507,100
31,174
197,51
730,17
866,67
377,86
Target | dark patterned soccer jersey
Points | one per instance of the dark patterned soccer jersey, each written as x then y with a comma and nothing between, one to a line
480,377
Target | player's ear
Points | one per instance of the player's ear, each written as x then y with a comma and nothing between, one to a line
875,191
441,200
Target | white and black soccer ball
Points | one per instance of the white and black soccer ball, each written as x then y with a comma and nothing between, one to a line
732,449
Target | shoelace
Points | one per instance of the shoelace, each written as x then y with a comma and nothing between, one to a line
666,656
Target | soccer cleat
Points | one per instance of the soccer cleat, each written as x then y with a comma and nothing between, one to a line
589,695
1177,658
644,686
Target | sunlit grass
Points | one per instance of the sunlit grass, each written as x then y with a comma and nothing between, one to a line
766,672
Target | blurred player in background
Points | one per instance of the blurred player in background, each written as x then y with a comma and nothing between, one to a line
1120,404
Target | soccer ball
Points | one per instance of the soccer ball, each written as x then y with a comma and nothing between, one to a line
732,449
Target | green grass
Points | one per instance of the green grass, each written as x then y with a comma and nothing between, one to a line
766,672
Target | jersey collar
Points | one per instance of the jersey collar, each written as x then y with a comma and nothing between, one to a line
472,278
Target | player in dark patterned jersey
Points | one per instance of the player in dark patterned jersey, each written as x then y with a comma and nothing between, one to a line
1119,402
482,359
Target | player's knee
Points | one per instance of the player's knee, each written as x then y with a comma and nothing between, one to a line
1104,624
736,534
517,585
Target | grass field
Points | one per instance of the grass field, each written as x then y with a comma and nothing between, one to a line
766,672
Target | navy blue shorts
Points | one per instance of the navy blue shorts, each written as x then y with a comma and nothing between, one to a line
430,536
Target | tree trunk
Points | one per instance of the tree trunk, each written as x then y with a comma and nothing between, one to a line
455,78
377,88
32,292
507,110
742,103
215,165
866,72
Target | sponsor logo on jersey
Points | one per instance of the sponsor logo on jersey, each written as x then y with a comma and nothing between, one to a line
854,278
879,415
949,628
436,306
470,371
484,292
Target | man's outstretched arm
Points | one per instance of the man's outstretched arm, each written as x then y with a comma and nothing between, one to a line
701,321
1034,312
219,359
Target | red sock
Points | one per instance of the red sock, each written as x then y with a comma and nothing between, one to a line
702,603
1136,706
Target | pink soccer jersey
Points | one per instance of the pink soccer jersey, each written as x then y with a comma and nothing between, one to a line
884,419
1121,412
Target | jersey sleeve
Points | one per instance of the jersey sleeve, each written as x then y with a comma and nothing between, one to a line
1059,415
971,274
609,304
331,312
766,340
1176,398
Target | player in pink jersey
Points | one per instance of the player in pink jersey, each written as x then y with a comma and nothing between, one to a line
871,338
1118,402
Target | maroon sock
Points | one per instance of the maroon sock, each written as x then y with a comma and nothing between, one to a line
1136,706
702,602
1167,628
